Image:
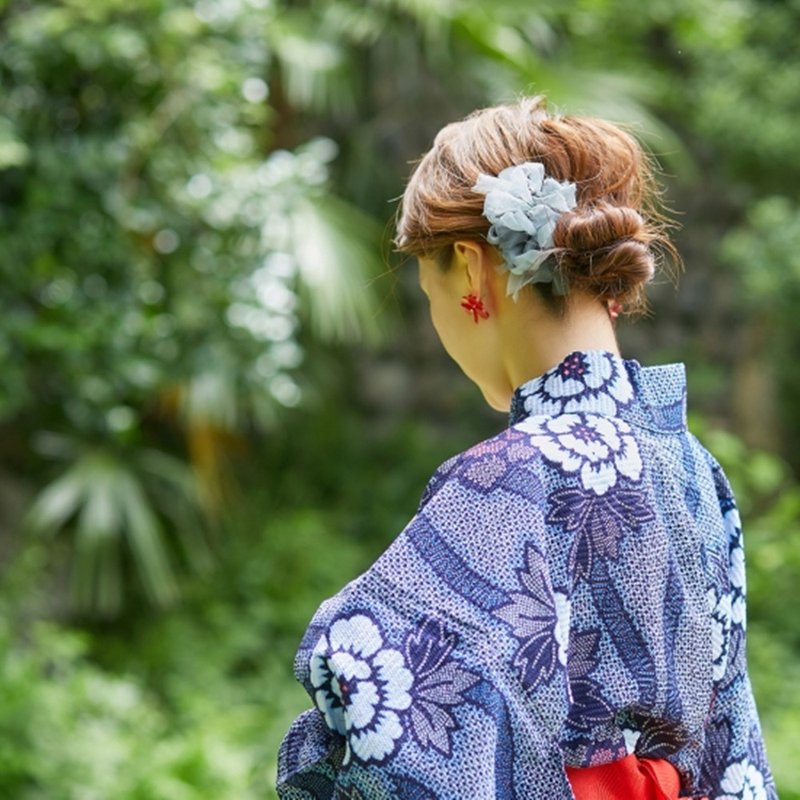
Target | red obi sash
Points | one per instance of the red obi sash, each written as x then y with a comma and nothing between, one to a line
628,778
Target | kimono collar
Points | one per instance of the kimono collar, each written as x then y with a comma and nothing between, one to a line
601,382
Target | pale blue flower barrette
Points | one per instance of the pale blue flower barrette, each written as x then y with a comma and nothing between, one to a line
523,207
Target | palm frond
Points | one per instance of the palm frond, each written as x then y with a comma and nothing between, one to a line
317,70
145,538
336,247
175,489
100,499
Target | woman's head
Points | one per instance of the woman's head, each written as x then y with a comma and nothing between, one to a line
607,246
609,233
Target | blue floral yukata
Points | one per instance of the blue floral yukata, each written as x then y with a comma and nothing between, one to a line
569,592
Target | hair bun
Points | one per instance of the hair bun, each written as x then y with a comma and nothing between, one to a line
606,250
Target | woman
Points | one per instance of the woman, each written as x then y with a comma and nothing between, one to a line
564,616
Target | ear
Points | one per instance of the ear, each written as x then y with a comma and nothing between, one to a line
479,261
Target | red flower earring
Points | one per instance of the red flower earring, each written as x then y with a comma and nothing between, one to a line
614,309
472,304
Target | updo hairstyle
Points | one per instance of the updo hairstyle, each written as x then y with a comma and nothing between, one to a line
609,245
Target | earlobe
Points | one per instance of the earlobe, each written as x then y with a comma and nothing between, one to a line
474,305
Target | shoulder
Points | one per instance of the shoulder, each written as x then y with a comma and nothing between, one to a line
466,528
509,461
722,485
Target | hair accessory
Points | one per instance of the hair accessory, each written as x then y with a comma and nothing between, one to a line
523,206
474,305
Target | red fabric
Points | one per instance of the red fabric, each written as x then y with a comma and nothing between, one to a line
629,778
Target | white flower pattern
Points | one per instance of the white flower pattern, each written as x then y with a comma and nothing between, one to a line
563,613
360,685
742,781
733,526
720,607
600,448
580,378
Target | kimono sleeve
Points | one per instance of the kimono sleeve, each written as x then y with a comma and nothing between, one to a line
393,701
734,761
410,666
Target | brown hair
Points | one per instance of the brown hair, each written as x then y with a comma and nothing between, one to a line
609,245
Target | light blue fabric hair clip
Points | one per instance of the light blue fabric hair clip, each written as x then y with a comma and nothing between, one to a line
523,207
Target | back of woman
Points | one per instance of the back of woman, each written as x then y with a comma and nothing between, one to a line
564,616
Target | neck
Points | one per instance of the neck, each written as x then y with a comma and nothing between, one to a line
535,341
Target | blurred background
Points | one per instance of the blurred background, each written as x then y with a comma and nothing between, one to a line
220,394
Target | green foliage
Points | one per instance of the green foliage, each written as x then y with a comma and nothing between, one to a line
154,264
765,251
769,501
70,730
764,254
721,74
